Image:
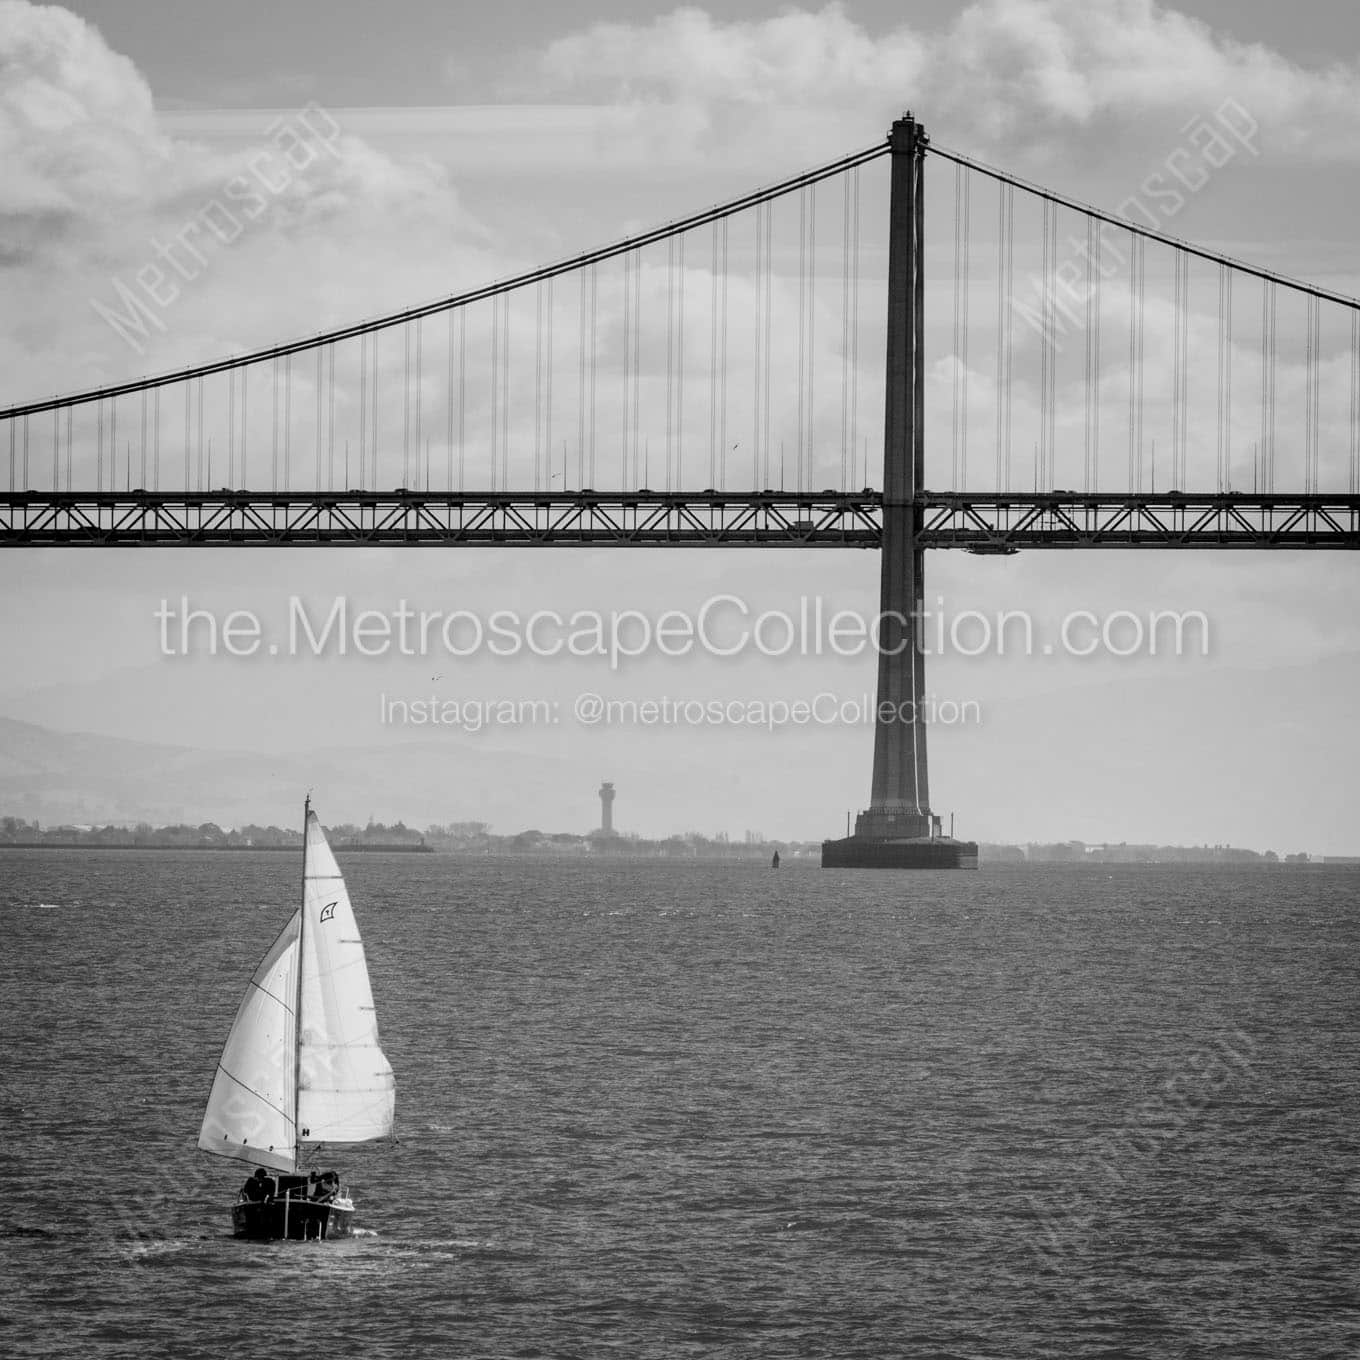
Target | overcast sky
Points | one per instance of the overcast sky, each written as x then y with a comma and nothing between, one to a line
479,140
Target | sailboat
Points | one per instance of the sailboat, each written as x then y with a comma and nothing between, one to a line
301,1065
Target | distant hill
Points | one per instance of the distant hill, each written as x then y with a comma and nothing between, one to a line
85,778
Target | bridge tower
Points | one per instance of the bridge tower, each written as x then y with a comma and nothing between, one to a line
898,830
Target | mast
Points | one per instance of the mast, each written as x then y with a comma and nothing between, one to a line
297,1010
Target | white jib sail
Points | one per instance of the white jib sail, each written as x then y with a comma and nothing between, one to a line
251,1107
345,1088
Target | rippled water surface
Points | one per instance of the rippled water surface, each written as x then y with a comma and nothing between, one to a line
649,1110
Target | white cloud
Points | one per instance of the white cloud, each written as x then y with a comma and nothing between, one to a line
799,55
293,228
77,128
1005,73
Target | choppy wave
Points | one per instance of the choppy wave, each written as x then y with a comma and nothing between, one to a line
669,1111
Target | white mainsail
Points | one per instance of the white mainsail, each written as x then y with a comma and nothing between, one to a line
281,1083
251,1108
345,1089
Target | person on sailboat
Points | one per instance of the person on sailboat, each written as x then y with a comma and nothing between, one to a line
259,1187
324,1185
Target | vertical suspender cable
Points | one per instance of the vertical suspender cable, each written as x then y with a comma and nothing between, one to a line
1091,459
274,423
958,289
495,387
1308,395
679,408
1045,349
330,417
1136,267
1050,434
1227,375
1353,472
722,364
1004,331
1223,410
538,377
594,356
810,386
1177,368
1314,345
231,424
1258,464
1001,328
759,329
420,381
637,366
406,407
581,318
670,354
547,383
802,330
1270,442
769,307
320,428
961,349
245,422
1133,351
854,327
1183,326
373,414
287,422
845,333
505,399
712,360
1139,357
448,397
629,271
1267,454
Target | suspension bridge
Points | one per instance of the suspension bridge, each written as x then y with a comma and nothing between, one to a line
719,377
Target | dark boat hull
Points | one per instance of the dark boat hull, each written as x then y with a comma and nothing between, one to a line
298,1220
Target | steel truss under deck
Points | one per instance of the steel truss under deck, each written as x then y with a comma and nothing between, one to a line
977,522
1005,523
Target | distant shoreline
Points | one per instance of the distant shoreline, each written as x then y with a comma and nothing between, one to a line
164,845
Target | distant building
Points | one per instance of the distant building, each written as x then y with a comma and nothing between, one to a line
606,809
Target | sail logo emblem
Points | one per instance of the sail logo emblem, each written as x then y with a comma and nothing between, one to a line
328,911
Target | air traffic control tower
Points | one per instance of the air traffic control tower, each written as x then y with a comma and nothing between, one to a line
898,830
606,809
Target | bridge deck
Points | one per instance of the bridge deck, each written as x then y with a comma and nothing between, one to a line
976,522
